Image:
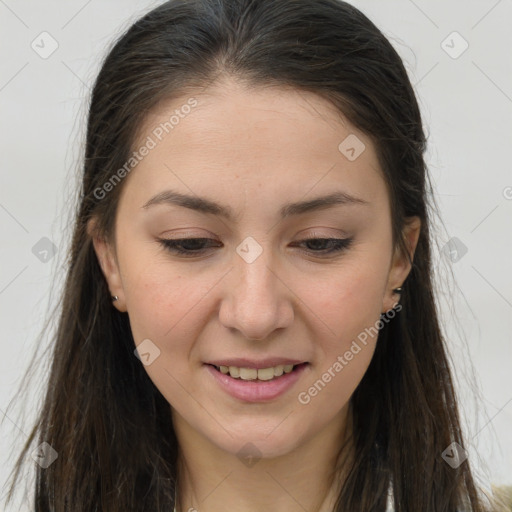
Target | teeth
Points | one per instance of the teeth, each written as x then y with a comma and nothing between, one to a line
266,373
278,370
253,373
246,373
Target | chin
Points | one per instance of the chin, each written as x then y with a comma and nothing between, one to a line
264,442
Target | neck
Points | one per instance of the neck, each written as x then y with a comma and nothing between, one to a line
308,477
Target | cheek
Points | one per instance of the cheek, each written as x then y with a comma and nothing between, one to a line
329,391
152,299
346,347
165,307
349,305
349,300
158,296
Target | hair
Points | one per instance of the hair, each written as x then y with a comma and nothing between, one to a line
109,424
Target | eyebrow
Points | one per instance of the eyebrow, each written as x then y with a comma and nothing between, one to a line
208,206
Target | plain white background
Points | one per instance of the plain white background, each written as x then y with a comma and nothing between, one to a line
463,82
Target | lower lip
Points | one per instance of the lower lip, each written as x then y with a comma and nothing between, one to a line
257,390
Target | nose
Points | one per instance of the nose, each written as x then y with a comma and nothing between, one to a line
257,300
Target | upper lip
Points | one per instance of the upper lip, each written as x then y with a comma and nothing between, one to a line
242,362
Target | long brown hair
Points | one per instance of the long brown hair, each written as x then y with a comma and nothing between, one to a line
102,414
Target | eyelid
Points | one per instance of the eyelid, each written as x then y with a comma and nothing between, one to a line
340,246
316,233
188,233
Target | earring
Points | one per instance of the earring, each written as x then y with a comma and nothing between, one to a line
397,291
114,298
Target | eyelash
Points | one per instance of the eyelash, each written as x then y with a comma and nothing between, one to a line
174,246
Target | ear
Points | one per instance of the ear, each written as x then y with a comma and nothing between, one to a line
400,265
108,262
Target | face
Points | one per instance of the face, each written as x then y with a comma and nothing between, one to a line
261,287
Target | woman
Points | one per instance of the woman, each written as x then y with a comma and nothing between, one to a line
248,320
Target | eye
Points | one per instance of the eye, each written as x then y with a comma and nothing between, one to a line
334,245
186,246
189,247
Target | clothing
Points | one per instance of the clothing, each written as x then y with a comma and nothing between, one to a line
389,504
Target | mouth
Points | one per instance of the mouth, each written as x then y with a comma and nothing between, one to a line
251,385
261,374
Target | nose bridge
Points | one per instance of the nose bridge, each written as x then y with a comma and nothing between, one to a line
255,299
253,263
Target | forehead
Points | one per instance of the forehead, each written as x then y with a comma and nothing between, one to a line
241,115
275,138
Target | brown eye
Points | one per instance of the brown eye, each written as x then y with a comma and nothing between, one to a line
186,246
320,246
196,246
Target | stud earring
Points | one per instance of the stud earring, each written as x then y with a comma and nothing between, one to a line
114,298
397,290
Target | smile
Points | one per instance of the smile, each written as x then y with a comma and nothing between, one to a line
247,385
256,374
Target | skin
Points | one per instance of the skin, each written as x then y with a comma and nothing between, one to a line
254,150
